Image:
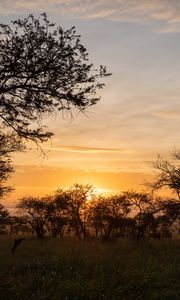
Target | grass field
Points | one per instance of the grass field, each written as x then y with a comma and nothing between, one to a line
71,269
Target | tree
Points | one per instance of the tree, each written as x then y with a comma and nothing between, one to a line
144,208
119,208
9,143
56,216
4,218
76,204
43,69
18,225
169,219
108,216
34,211
168,174
97,216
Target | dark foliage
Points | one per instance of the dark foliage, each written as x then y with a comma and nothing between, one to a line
168,173
4,219
43,69
9,143
34,210
79,211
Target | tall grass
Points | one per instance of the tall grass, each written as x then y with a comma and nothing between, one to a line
72,269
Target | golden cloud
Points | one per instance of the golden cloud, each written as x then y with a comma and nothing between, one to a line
163,14
80,149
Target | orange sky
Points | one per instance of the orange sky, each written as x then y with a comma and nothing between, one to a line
42,180
111,169
139,114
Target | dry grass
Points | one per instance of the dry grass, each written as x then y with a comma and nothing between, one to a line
71,269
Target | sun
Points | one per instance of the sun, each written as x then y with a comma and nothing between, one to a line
95,193
99,191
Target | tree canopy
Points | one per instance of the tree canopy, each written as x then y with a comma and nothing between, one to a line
71,212
43,69
9,143
168,173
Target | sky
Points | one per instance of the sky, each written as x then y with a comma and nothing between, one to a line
138,116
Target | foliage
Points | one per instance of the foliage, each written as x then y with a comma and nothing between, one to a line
43,69
168,173
56,217
79,211
9,143
34,210
4,219
76,206
18,225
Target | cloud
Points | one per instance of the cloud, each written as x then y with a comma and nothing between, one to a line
171,114
36,180
164,15
80,149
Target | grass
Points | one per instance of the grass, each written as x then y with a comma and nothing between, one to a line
84,270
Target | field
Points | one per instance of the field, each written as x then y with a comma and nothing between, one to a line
72,269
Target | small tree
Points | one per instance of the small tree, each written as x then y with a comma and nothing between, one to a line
144,208
108,216
43,69
119,208
169,219
97,215
34,211
77,208
56,215
19,225
168,174
4,219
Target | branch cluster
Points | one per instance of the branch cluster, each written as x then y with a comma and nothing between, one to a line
43,69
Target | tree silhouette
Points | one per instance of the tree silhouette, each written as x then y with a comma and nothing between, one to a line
4,218
97,213
129,214
56,215
168,174
43,69
9,143
169,219
75,203
18,225
143,207
34,209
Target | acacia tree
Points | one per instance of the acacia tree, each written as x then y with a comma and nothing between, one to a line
144,208
97,213
169,217
43,69
75,203
168,174
108,215
56,216
9,143
34,211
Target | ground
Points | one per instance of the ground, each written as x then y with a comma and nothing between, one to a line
71,269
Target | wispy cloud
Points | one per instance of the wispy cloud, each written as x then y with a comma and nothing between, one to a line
163,14
79,149
171,114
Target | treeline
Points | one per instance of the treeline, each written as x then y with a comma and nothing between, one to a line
80,211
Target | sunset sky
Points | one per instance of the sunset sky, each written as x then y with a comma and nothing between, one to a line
139,112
